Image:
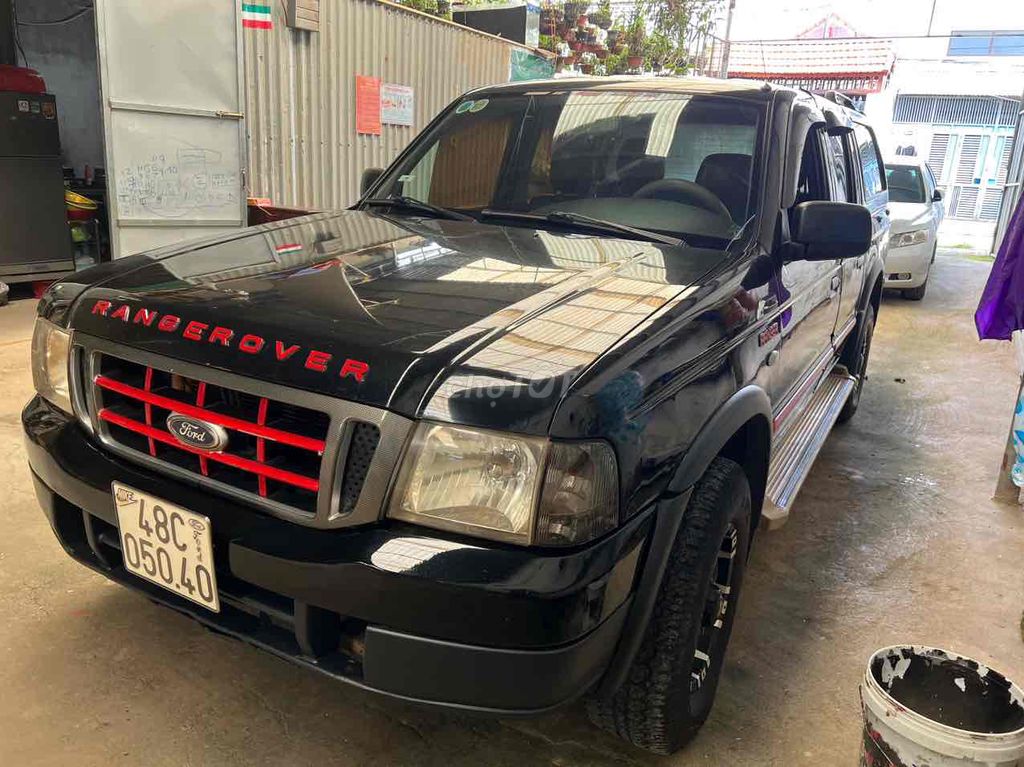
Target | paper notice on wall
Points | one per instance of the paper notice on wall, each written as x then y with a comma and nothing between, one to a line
397,104
368,105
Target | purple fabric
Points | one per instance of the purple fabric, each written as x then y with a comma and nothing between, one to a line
1001,309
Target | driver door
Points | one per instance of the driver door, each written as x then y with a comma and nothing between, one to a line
809,294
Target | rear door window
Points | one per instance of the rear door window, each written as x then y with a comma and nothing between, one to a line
839,166
870,161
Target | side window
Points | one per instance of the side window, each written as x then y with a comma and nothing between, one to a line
838,169
813,182
870,161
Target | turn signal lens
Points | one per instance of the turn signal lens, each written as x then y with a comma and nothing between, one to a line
581,494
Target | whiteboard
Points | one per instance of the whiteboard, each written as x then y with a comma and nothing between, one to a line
176,167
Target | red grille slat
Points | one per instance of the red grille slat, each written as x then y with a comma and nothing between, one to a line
261,444
247,427
149,411
259,469
204,462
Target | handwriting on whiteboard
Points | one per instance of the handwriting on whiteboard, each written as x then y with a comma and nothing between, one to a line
188,183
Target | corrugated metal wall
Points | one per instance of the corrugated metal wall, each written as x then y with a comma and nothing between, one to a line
300,93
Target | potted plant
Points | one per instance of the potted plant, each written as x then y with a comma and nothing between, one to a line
613,38
587,62
602,16
635,34
549,42
657,50
572,10
615,64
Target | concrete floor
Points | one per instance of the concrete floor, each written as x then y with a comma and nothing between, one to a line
893,539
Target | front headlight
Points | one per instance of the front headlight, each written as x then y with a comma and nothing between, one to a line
904,239
524,490
51,347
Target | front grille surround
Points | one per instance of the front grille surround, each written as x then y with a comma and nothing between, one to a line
352,428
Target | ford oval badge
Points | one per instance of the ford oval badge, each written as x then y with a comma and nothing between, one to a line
196,433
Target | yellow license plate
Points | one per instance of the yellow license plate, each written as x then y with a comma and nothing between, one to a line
167,545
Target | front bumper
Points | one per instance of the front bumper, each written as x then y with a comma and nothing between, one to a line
420,616
908,267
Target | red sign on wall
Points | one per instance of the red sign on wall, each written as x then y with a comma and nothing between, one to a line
368,105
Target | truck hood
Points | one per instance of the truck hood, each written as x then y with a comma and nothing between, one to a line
418,316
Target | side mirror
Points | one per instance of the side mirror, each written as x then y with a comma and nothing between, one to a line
369,178
830,230
937,195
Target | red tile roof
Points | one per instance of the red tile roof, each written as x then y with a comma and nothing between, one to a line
810,58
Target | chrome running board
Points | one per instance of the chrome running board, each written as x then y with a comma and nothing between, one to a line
795,447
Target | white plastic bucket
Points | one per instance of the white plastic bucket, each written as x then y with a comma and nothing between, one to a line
924,706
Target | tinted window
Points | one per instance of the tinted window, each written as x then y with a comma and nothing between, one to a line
636,157
986,43
813,181
871,165
906,183
835,156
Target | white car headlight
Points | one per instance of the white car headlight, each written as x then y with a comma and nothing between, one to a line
524,490
904,239
51,347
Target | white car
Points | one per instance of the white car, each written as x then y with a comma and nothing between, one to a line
916,210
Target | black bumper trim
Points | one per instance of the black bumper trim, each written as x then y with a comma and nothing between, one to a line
436,673
469,626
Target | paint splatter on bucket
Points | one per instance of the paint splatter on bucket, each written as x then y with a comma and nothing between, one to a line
928,706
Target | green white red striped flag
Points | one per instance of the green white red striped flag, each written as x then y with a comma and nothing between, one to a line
256,16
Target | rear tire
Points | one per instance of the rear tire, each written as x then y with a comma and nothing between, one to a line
670,687
857,364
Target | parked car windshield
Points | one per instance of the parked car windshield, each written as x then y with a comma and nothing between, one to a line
677,164
906,183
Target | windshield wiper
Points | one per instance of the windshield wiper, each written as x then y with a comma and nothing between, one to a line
586,222
411,203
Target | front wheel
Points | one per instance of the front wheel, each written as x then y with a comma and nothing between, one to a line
671,684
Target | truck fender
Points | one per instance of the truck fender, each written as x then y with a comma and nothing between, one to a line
747,403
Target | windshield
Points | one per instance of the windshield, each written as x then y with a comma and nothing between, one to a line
677,164
906,183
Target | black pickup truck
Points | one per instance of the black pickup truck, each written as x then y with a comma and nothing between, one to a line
498,437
